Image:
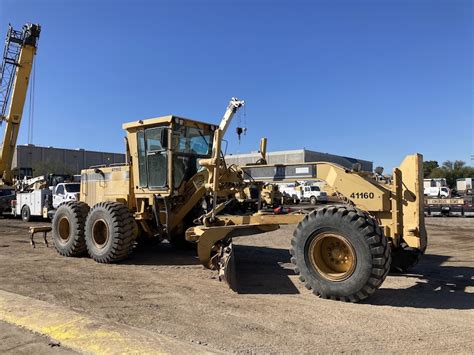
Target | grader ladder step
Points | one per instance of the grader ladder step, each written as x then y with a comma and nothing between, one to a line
161,206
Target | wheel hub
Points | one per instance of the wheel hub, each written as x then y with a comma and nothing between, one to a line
332,256
64,230
100,233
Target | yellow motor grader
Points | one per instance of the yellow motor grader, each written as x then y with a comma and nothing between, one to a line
176,185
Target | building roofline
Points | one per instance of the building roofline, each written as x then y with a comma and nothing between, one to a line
293,151
69,149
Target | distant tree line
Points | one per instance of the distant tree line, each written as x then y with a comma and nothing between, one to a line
451,170
52,167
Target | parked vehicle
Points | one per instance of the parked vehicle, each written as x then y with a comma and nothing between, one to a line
30,204
37,198
464,186
313,194
305,192
65,192
447,207
289,191
7,195
437,192
435,182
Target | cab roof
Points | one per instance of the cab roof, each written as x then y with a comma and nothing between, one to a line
160,120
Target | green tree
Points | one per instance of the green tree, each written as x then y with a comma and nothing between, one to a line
51,167
452,170
429,166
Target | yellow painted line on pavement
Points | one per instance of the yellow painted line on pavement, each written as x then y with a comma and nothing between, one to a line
86,333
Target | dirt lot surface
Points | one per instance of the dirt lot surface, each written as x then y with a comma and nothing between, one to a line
429,310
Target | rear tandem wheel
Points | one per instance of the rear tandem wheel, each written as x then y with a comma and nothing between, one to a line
111,232
68,228
340,253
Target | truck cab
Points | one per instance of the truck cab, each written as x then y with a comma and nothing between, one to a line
313,194
65,192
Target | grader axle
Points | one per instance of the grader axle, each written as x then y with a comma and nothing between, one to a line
176,185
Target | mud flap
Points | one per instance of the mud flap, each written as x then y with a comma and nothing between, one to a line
227,272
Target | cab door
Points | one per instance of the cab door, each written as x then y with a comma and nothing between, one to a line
58,196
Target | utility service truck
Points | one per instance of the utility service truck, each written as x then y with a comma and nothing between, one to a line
41,196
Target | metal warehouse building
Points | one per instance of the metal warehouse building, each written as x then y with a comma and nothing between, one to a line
61,161
298,156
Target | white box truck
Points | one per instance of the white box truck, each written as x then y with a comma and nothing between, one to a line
464,186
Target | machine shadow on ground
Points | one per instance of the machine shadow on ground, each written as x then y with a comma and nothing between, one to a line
162,254
259,270
436,286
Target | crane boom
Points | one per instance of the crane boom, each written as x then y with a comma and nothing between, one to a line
17,61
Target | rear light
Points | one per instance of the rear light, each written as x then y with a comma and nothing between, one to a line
13,203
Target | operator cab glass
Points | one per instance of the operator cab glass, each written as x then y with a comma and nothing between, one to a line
189,143
152,157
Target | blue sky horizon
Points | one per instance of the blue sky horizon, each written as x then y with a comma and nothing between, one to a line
375,80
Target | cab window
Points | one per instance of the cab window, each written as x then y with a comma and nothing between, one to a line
142,170
152,157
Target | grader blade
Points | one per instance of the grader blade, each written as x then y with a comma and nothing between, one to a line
227,268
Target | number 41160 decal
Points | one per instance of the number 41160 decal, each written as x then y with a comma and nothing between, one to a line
363,195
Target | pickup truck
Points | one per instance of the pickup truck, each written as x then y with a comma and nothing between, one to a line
64,192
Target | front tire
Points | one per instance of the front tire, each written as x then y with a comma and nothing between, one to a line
110,232
313,200
68,228
26,214
340,253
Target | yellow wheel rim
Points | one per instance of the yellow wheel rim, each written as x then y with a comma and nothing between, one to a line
332,256
64,230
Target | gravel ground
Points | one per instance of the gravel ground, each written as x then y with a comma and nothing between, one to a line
428,310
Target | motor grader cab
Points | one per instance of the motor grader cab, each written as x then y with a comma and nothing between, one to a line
176,185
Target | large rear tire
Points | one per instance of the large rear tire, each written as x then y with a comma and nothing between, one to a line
340,253
110,232
68,228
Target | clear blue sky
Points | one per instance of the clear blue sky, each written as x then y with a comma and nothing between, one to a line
370,79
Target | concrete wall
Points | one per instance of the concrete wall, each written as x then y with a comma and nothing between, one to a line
31,156
298,156
282,157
